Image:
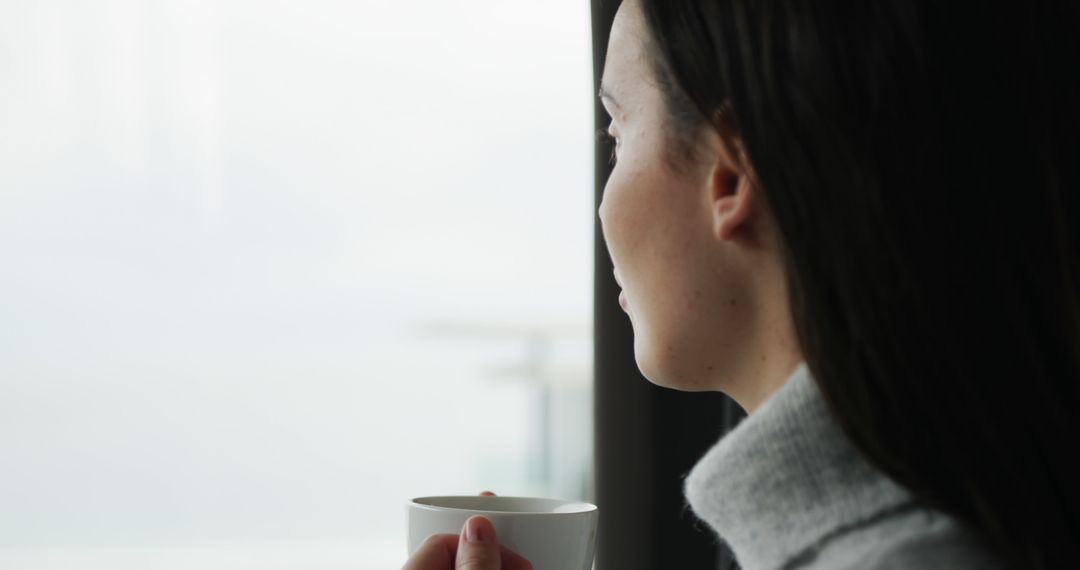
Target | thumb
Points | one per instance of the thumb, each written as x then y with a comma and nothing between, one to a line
477,547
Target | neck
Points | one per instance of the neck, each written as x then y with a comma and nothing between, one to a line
776,352
766,374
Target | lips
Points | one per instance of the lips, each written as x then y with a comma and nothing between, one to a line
622,294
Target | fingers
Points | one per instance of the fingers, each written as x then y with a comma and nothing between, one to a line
513,561
436,553
510,559
439,551
477,547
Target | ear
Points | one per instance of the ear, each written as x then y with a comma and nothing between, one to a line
733,199
733,193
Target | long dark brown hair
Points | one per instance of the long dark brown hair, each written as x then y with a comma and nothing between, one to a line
921,160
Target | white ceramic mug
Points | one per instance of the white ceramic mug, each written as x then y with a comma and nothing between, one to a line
549,533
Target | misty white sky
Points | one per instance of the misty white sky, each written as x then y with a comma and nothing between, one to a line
226,230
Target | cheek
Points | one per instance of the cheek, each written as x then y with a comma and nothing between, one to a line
654,232
674,313
658,237
623,221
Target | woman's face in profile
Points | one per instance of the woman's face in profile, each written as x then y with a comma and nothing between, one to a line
681,287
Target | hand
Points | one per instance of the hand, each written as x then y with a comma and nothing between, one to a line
476,549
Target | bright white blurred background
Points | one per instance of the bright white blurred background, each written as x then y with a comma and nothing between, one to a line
268,269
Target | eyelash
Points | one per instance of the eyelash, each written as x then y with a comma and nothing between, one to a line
605,137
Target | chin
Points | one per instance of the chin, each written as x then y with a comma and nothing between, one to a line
665,368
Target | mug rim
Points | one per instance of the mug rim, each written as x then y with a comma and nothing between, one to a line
588,507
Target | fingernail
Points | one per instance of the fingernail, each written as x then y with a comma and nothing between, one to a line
477,531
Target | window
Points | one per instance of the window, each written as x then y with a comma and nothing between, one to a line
270,269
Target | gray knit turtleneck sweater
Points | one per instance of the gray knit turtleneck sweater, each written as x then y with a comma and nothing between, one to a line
787,489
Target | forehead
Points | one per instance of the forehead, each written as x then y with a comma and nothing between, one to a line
626,63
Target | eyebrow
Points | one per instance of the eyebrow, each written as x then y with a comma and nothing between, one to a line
605,94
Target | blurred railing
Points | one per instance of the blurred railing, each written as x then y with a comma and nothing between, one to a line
555,362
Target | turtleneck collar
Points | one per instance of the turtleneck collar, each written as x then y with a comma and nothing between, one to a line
786,478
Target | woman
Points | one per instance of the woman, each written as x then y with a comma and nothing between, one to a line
858,220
